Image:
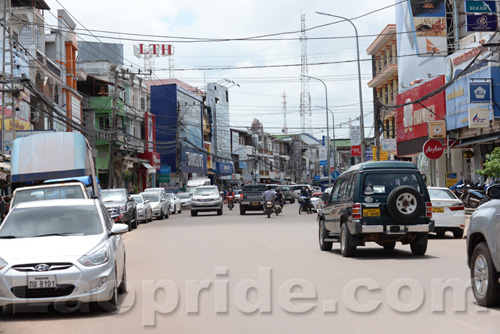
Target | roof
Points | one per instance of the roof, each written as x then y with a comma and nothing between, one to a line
382,39
383,165
177,82
38,4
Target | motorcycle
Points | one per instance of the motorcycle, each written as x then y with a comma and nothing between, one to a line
230,202
277,208
305,204
269,208
474,197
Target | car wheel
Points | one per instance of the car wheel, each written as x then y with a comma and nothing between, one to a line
242,212
135,224
292,201
404,203
193,213
484,277
458,234
322,233
440,234
123,285
175,210
167,214
112,304
129,223
345,246
219,212
390,245
180,210
419,245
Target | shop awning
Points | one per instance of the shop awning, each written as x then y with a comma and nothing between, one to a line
466,143
151,169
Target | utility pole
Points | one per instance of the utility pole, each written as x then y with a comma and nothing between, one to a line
113,133
7,89
377,131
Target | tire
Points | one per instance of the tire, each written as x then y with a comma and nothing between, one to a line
122,289
242,212
440,234
292,201
112,304
405,203
175,210
167,215
194,213
419,245
180,210
219,212
472,204
135,223
160,217
484,277
300,209
322,233
390,245
458,234
345,247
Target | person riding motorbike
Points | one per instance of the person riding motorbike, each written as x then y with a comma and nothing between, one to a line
230,197
268,195
279,198
305,193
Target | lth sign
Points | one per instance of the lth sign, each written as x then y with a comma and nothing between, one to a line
158,50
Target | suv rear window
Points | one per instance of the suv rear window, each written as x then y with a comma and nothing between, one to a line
285,188
254,187
383,184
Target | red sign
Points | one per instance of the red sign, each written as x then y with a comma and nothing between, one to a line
356,150
156,49
433,149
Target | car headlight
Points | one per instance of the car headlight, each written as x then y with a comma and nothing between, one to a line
122,209
3,263
99,257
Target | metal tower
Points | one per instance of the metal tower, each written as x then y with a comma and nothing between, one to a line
285,128
305,96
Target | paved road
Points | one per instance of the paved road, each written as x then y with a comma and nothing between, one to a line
251,274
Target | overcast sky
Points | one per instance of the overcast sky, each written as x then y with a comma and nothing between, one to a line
260,90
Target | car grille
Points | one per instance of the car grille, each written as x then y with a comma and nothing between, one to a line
60,291
113,211
31,267
206,200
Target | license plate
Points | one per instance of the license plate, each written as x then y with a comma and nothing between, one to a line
371,212
437,209
41,282
255,203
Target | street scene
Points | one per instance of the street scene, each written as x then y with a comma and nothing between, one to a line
249,166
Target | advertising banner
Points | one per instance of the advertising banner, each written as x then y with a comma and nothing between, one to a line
429,20
389,144
484,22
480,6
479,117
437,129
480,91
355,141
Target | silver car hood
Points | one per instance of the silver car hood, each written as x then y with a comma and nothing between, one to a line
47,249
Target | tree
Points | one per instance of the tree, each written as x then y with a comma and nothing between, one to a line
491,168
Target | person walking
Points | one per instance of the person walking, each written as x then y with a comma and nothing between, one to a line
3,208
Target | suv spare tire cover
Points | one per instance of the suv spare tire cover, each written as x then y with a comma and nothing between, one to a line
405,203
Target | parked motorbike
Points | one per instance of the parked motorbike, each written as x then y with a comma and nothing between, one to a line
269,208
277,208
305,204
230,202
475,196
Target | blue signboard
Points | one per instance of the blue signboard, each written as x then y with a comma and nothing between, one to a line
480,6
224,168
164,170
317,177
480,91
243,165
482,22
323,162
335,175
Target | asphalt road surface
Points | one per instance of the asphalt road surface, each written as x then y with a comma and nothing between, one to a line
251,274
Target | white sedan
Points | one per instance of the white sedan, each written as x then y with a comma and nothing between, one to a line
59,251
448,212
175,203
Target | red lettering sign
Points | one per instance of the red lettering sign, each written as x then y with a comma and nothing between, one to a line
356,150
433,149
156,49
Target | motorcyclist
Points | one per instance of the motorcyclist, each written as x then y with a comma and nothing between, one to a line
230,197
268,195
306,194
279,197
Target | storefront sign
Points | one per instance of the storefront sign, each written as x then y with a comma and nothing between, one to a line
480,91
322,156
437,129
243,165
224,167
194,160
480,6
479,117
389,144
355,141
433,149
483,22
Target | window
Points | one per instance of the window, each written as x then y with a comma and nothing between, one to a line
383,184
338,190
103,122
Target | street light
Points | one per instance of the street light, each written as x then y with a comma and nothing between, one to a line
333,133
361,120
327,130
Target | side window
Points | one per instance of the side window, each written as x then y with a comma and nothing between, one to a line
337,190
351,184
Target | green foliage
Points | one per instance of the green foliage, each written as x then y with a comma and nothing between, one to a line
491,167
128,175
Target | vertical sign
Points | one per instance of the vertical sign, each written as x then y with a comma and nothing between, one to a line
355,141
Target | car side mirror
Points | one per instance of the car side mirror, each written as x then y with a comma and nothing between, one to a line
493,191
118,228
146,201
325,197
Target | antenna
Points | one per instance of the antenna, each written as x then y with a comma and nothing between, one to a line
305,96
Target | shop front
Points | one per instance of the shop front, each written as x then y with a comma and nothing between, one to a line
414,121
148,171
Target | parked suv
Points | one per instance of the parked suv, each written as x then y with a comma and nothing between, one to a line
287,193
383,201
483,250
121,206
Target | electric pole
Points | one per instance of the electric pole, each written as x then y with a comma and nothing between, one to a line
113,133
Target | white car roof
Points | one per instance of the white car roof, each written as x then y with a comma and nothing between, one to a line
57,202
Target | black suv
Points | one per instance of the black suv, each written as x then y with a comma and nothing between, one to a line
121,206
383,202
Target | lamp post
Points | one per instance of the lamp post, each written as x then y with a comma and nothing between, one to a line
361,119
333,133
327,130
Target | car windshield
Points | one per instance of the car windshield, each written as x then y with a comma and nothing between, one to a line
255,187
441,194
151,196
285,188
137,199
52,220
206,191
383,184
113,196
183,195
30,195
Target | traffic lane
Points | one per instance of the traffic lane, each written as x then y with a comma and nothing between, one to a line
238,250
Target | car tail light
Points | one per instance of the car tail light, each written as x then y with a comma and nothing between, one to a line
457,207
241,197
356,211
428,212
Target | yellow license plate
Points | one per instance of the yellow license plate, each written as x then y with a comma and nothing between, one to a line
371,212
438,209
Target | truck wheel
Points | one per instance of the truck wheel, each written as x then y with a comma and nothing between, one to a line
345,245
390,245
419,245
194,213
458,234
404,203
484,277
324,245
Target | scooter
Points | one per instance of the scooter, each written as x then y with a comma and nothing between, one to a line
269,208
277,208
474,198
305,204
230,202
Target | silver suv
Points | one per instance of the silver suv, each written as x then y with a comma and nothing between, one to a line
206,198
483,250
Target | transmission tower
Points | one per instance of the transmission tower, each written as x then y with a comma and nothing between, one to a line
305,96
285,128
